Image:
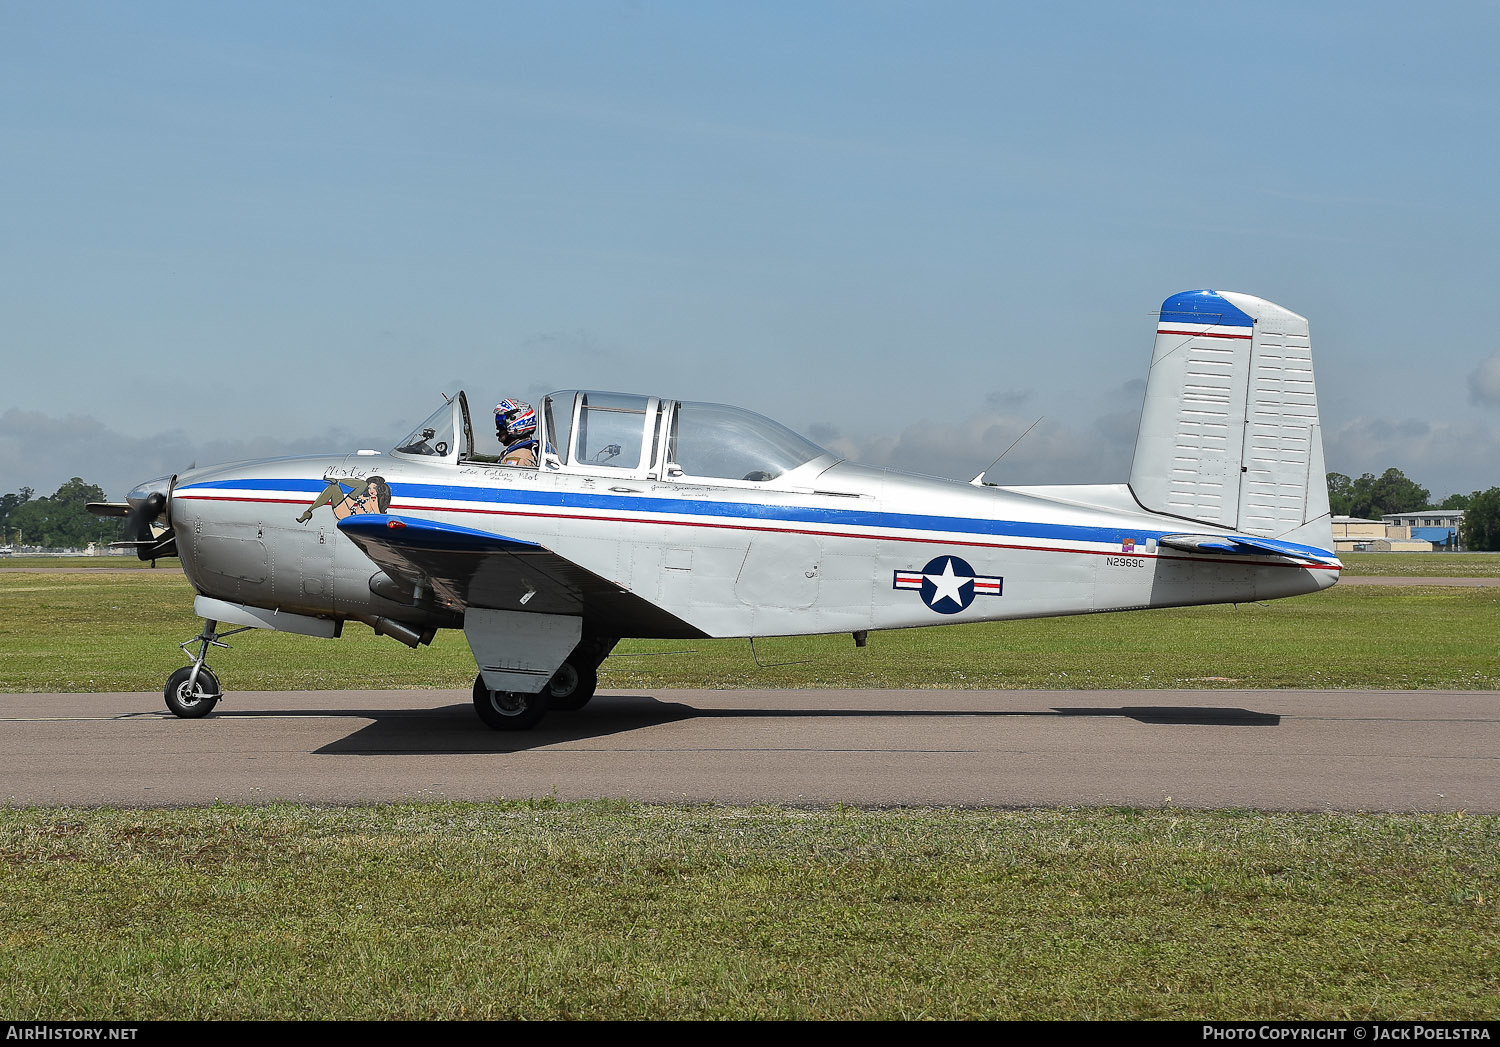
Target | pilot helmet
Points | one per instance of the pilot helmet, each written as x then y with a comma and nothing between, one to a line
514,420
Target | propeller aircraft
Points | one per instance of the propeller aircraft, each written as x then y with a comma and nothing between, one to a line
641,516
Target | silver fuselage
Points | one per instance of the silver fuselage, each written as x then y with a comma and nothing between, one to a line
829,547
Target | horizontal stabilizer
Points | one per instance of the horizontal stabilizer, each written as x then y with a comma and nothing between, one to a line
1242,545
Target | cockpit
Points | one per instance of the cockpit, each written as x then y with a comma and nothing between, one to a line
629,435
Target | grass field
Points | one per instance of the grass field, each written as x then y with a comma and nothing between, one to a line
75,562
1423,565
118,632
544,910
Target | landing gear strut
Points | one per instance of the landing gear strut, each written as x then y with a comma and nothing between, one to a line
194,690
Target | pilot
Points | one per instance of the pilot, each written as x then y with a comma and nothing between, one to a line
515,425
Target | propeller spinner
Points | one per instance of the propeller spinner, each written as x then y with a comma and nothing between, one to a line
148,518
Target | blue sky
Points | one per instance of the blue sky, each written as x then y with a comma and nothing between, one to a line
907,229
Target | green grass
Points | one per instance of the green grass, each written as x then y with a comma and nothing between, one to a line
545,910
119,632
1423,565
132,562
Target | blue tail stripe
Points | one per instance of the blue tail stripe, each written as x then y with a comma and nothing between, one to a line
1203,307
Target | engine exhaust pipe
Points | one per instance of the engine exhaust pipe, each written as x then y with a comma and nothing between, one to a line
407,634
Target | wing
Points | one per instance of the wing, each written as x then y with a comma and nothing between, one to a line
461,568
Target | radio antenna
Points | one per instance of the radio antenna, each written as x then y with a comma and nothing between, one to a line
978,481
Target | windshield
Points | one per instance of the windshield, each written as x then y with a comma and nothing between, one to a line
433,438
735,444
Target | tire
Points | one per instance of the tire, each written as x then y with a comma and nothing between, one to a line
199,703
509,710
572,686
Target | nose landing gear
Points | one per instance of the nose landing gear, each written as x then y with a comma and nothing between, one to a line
194,690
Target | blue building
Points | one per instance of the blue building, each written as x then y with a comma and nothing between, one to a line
1438,526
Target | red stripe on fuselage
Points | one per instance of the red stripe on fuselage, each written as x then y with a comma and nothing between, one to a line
782,530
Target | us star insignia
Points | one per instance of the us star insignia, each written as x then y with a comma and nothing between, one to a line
948,584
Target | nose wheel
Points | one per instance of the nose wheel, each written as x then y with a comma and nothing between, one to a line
194,690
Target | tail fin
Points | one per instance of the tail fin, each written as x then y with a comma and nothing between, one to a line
1229,431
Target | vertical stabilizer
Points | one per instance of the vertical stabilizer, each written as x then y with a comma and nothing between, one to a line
1229,431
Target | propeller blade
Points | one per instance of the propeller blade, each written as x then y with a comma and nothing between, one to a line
138,521
147,529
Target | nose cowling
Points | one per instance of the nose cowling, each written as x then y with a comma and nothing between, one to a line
148,524
161,486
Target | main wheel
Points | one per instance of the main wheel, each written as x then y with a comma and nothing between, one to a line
572,686
509,710
200,701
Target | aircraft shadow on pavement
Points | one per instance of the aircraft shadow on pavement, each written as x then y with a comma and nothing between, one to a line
454,729
1182,714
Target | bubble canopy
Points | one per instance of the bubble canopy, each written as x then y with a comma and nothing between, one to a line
732,443
645,435
627,434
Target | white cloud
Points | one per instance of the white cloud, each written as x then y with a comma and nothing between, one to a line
1092,444
1053,452
1444,457
43,452
1484,381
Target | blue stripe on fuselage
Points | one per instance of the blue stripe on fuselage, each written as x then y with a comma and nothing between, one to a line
736,511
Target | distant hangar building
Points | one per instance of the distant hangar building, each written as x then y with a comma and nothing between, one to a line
1438,526
1419,532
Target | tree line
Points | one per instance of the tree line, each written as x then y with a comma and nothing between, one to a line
1370,497
56,521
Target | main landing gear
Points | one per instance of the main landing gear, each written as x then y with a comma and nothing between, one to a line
509,710
194,690
569,690
572,685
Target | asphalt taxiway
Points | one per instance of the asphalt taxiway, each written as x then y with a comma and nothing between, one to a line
1295,750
